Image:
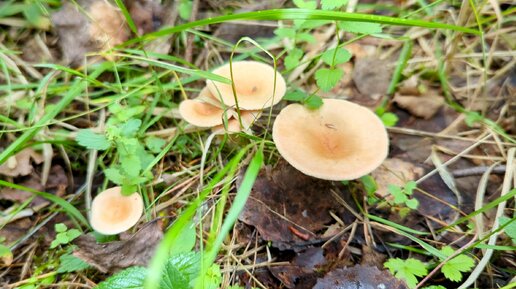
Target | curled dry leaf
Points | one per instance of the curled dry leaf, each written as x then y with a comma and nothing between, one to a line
137,250
421,106
363,277
20,164
289,208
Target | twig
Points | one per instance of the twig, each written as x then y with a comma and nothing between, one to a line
477,171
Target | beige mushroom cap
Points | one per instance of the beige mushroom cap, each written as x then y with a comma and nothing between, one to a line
339,141
248,117
113,213
254,85
201,111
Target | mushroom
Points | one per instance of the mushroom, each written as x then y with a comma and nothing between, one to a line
254,85
202,111
113,213
248,117
339,141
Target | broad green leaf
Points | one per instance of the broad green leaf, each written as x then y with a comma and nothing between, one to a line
510,229
412,203
369,184
130,278
72,234
453,269
389,119
295,96
113,174
313,102
211,279
185,9
94,141
305,37
130,164
293,58
342,56
406,269
181,270
327,78
360,27
332,4
69,263
305,4
185,242
285,32
409,187
129,128
60,228
155,144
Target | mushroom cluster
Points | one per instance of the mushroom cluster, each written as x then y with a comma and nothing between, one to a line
256,87
113,213
339,141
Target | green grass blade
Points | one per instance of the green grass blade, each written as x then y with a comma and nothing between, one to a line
77,87
67,207
395,225
293,14
127,16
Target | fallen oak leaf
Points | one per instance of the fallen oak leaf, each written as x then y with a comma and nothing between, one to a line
111,257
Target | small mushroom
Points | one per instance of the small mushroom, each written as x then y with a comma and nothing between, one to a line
202,110
339,141
254,85
113,213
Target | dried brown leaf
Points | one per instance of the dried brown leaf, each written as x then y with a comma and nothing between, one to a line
363,277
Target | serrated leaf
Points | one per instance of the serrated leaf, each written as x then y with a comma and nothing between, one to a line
305,4
94,141
327,78
293,58
360,27
130,165
131,277
130,127
114,175
211,279
342,56
389,119
155,144
313,102
181,270
510,229
453,268
69,263
406,269
332,4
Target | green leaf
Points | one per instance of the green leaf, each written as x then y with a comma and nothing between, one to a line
155,144
186,240
397,193
305,4
453,268
69,263
60,228
293,58
327,78
313,102
406,269
305,37
389,119
510,229
129,128
472,117
113,174
369,184
185,9
295,96
412,203
131,277
130,164
181,270
332,4
5,253
94,141
409,187
342,56
285,32
211,279
360,27
72,234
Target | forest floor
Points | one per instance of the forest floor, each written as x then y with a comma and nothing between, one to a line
90,94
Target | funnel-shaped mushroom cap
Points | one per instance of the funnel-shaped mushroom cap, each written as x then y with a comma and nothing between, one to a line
339,141
200,112
113,213
248,117
254,85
